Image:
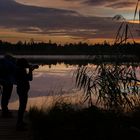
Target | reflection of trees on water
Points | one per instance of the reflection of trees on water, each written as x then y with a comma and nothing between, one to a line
66,62
92,60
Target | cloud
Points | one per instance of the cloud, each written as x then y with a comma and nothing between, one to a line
107,3
122,5
98,2
17,15
54,22
94,2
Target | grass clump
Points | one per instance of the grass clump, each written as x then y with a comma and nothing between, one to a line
63,121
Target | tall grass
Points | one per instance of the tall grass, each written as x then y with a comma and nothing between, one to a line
124,32
63,122
114,86
136,10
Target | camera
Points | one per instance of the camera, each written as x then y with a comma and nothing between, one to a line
34,66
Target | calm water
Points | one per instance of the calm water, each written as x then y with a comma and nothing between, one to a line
50,80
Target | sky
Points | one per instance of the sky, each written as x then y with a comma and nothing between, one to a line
63,21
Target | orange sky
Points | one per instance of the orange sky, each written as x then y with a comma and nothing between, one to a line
63,21
13,36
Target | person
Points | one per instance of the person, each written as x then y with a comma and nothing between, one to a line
22,78
7,79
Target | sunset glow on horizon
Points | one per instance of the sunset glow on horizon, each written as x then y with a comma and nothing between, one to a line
64,21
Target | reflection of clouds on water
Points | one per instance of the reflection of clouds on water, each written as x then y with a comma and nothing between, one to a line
38,74
53,81
138,73
53,73
56,70
49,81
48,101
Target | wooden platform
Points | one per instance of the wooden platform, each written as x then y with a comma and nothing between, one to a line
8,129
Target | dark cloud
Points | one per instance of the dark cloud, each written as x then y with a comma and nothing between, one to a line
51,21
95,2
98,2
122,5
17,15
12,7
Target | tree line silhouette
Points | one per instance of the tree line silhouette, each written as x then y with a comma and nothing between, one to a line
42,48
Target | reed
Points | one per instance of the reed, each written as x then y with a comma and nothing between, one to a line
113,86
124,32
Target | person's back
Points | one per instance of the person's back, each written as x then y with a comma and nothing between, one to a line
7,79
2,71
8,69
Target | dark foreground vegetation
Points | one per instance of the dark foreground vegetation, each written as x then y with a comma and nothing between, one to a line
69,49
113,115
65,123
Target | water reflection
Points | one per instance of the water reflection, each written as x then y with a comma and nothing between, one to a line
58,77
52,79
49,80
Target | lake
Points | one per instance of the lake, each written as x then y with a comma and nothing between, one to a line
53,78
49,80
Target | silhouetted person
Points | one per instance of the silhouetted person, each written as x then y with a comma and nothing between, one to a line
7,76
22,77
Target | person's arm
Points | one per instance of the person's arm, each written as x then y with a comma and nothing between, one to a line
30,74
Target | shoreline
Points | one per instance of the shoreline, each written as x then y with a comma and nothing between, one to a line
78,58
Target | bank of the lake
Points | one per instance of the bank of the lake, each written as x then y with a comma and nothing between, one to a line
64,122
79,59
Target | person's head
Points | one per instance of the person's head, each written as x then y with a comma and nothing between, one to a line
22,63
